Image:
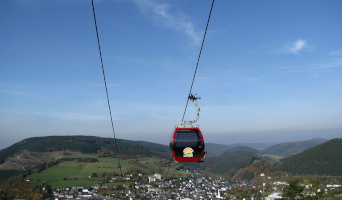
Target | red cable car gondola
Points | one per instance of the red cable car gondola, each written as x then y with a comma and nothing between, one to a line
187,143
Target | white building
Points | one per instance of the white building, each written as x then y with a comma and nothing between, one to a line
274,195
158,176
151,179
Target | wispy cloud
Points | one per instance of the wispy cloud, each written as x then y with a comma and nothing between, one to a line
297,46
7,121
336,52
83,117
60,2
331,64
161,14
12,92
205,78
313,65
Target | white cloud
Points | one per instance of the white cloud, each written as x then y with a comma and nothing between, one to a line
160,13
297,46
293,48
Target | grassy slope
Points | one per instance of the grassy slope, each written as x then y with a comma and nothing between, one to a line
78,173
71,169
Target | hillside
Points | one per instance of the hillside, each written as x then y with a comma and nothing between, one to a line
35,152
232,165
32,152
257,146
324,159
238,151
292,148
216,149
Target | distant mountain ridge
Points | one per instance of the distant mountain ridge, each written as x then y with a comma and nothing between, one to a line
270,149
213,149
323,159
291,148
257,146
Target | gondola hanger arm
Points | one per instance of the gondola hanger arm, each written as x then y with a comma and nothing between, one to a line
193,98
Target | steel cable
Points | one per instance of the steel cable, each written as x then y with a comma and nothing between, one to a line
199,57
105,83
193,79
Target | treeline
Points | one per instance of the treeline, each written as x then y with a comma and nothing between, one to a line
16,188
8,173
324,159
135,162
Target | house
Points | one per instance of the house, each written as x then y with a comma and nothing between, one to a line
273,195
158,176
154,178
151,179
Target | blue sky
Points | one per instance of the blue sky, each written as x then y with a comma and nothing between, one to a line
270,71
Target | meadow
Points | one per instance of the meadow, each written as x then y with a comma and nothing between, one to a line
71,173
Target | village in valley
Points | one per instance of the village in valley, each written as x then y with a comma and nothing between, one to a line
196,186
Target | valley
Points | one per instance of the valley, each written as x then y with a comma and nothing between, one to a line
86,166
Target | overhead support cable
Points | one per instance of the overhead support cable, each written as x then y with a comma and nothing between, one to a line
199,57
105,84
190,96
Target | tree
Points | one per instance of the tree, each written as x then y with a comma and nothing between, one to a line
248,176
293,191
315,188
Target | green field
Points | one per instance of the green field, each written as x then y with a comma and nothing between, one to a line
149,163
71,169
118,183
71,173
76,156
62,184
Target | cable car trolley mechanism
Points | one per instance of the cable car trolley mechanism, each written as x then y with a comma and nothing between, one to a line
187,142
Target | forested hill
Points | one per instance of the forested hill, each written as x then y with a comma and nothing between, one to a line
232,165
216,149
324,159
86,145
238,151
292,148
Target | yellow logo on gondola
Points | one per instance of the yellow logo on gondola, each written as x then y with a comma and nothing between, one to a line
188,152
